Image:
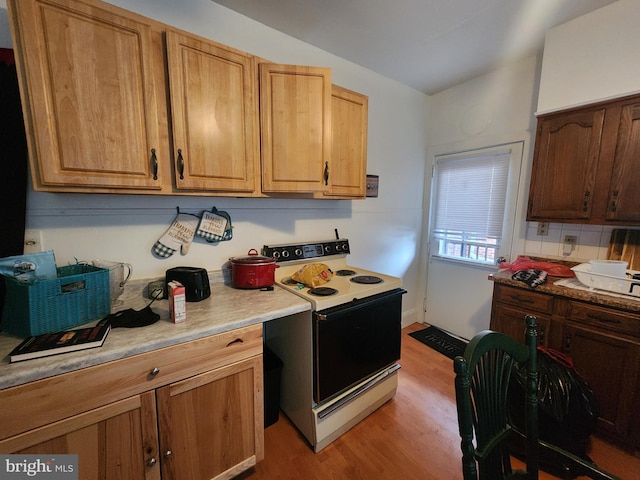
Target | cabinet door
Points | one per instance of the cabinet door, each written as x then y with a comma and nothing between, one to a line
610,365
211,425
295,123
624,194
118,441
349,120
214,116
510,321
87,80
564,166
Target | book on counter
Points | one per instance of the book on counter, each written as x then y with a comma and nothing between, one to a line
60,342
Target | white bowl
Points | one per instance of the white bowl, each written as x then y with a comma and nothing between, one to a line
615,268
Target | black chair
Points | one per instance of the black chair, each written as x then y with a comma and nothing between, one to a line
482,384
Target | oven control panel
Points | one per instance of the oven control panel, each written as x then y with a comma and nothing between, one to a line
303,251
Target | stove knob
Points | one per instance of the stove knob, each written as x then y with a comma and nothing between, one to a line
276,254
328,248
285,253
297,252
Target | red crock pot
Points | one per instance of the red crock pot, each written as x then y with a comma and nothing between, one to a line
253,270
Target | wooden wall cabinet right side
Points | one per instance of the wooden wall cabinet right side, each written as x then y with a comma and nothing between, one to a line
585,165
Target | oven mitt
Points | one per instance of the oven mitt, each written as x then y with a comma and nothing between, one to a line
533,278
215,226
178,237
131,318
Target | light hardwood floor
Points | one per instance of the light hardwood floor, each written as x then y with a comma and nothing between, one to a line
413,436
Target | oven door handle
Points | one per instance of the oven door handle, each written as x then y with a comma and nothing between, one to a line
357,304
356,393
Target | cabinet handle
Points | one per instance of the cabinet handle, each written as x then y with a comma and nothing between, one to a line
585,201
603,319
154,164
154,372
168,453
518,298
180,164
614,202
567,344
151,462
326,173
237,340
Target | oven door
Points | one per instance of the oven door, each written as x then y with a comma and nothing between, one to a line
354,341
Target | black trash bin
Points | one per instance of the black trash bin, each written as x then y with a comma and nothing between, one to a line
272,366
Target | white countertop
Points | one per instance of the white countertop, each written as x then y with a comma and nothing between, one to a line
226,309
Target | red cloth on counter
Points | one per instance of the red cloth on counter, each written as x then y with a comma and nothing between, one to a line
526,263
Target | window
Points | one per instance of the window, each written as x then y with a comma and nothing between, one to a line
469,204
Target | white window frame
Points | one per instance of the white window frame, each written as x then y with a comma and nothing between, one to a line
486,252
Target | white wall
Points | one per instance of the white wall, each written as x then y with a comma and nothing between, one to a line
384,231
588,59
493,109
585,60
594,57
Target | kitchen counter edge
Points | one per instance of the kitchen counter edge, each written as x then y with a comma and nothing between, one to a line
592,296
226,309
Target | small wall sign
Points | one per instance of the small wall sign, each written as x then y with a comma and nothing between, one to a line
372,185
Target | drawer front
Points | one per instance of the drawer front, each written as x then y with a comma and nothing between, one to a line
510,321
39,403
605,318
525,299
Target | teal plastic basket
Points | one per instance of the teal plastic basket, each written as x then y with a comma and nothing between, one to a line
79,295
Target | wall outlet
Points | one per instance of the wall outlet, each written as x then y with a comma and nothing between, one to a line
543,228
569,244
33,241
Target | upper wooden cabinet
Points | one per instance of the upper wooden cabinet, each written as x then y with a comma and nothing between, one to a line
92,119
118,103
295,120
624,195
214,117
349,121
584,167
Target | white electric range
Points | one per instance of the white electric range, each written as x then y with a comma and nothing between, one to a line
339,361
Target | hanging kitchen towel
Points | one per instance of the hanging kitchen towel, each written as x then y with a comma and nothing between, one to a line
179,236
533,278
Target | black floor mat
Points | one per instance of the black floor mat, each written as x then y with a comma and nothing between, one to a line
440,341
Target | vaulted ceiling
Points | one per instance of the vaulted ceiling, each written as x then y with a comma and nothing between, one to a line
428,45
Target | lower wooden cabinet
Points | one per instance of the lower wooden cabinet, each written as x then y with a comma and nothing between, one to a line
117,441
198,413
609,363
510,320
207,423
603,342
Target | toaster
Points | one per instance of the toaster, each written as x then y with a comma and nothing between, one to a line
194,279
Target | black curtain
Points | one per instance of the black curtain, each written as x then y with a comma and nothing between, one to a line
13,160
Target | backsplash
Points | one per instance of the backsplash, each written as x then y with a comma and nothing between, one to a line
592,241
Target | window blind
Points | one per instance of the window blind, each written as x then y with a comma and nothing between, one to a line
471,194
